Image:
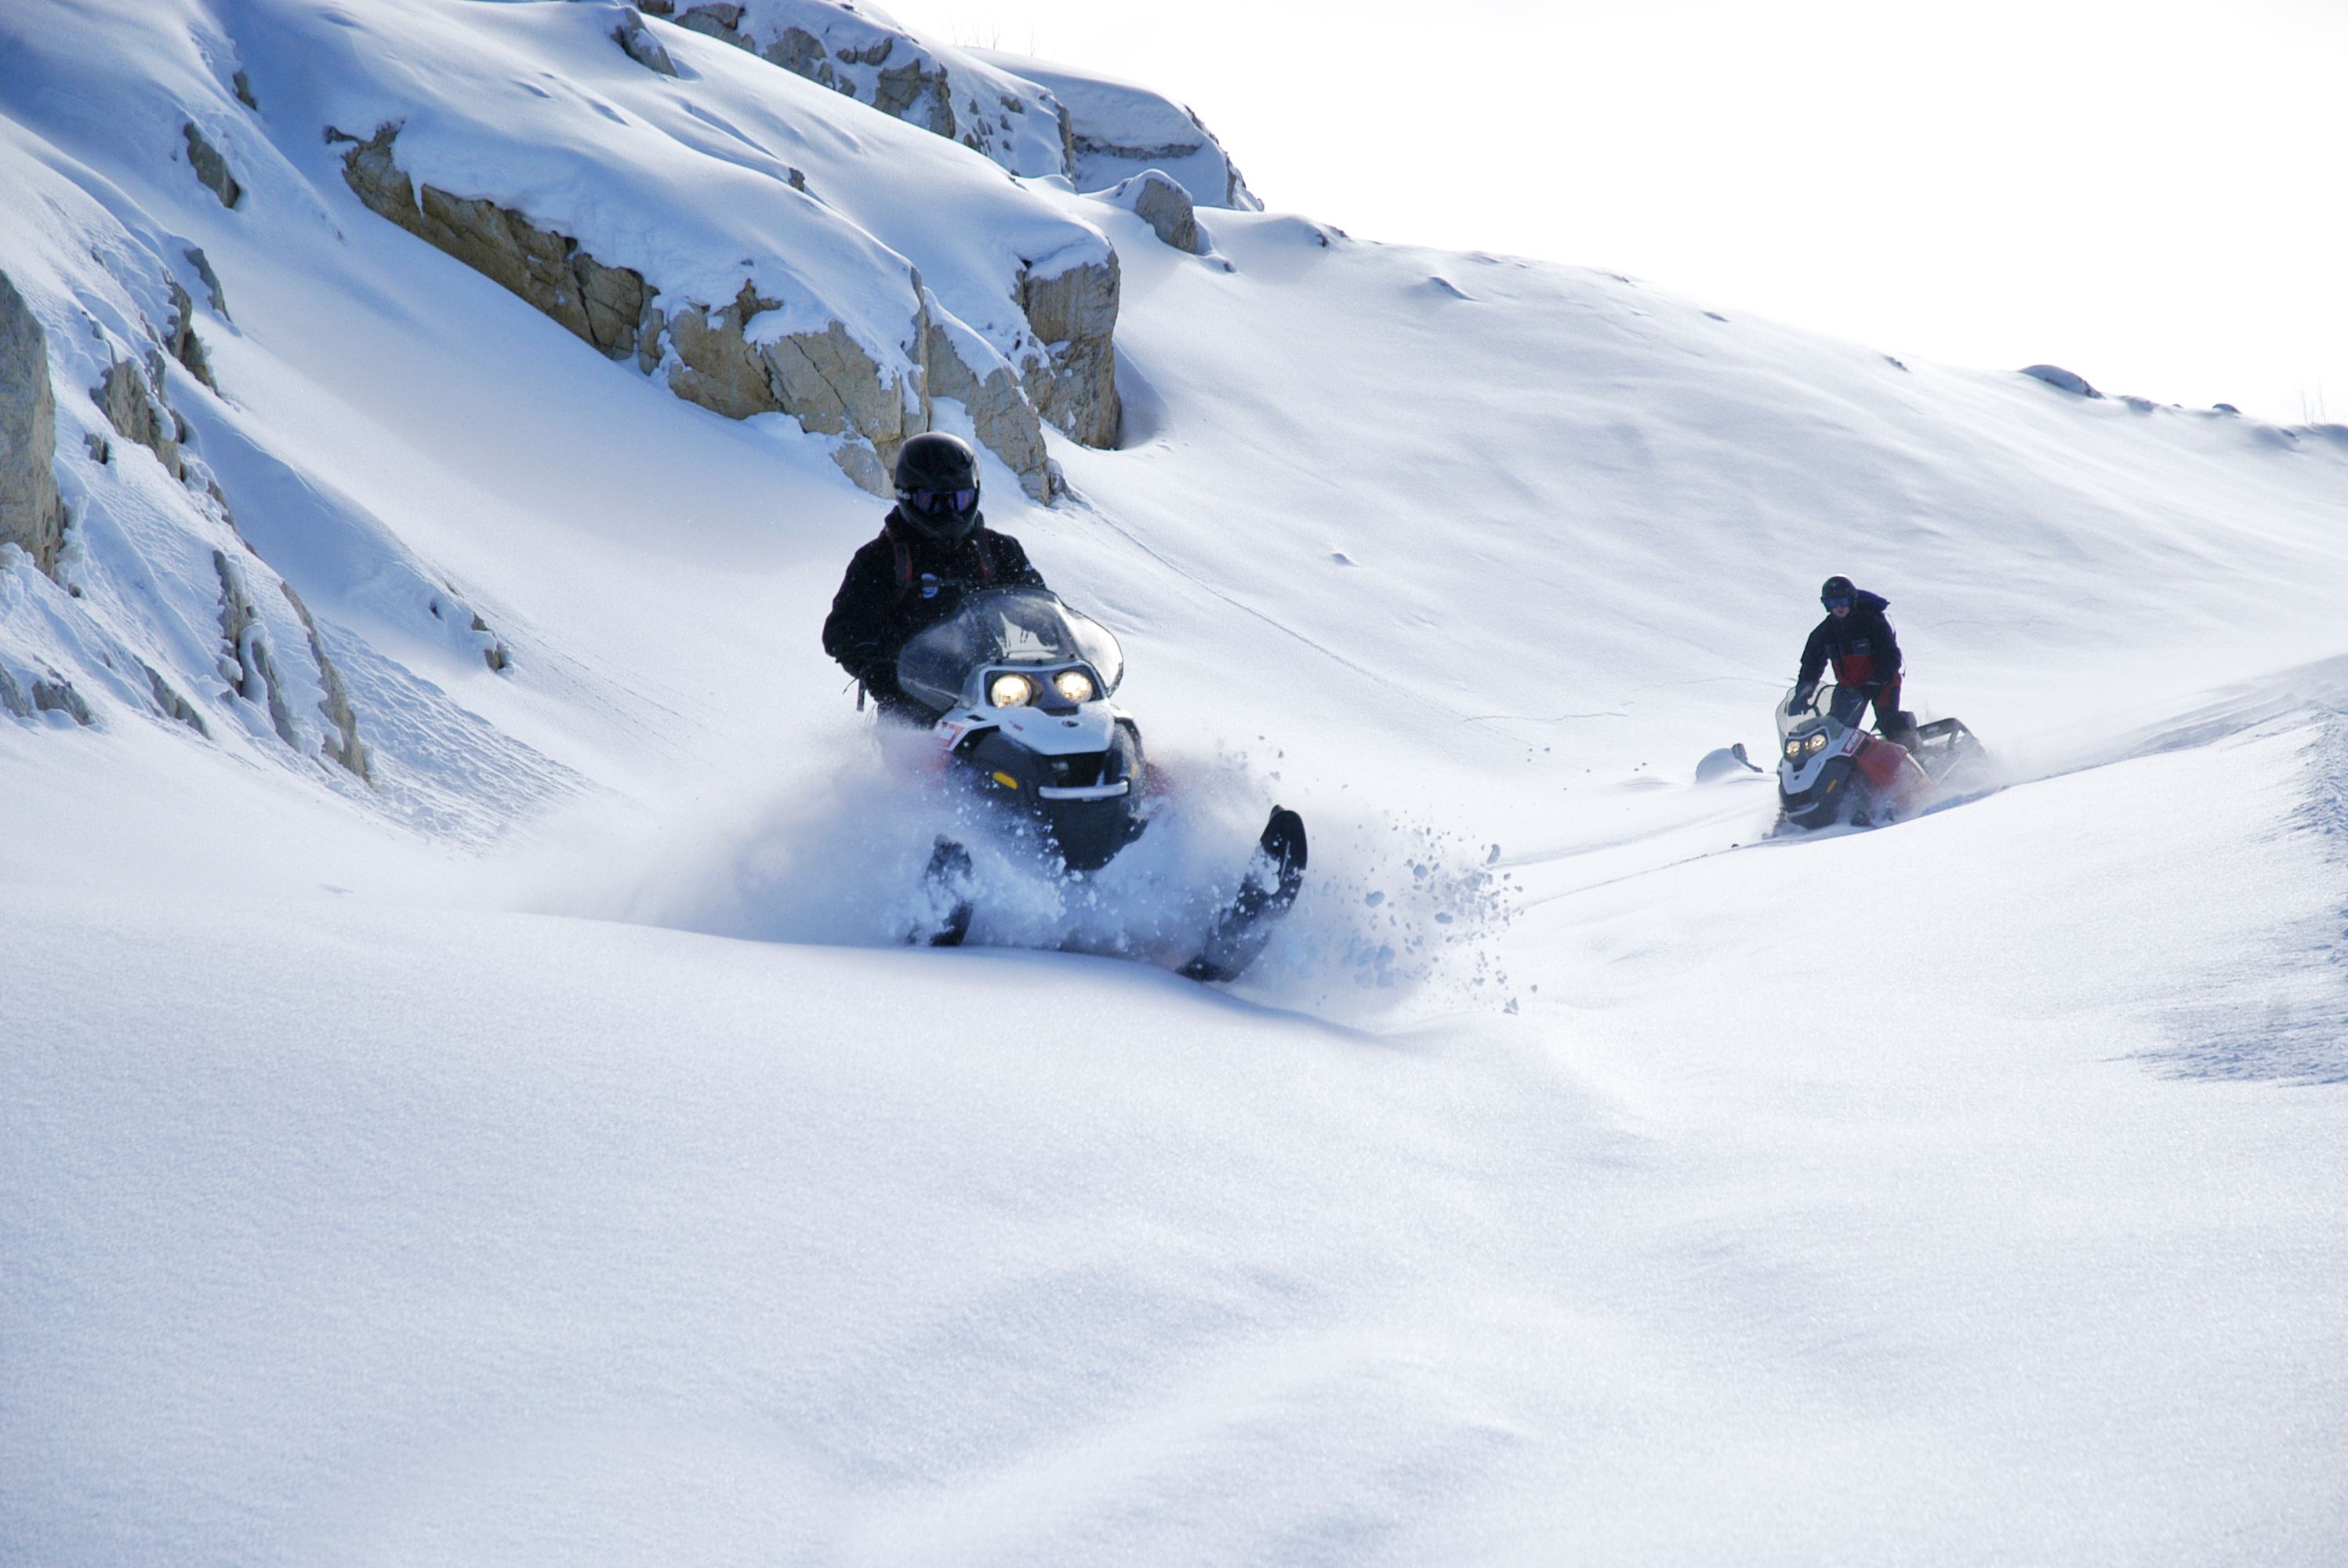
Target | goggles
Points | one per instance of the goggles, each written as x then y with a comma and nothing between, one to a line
1839,602
940,503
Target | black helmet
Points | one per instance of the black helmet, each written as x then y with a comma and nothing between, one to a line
937,486
1834,588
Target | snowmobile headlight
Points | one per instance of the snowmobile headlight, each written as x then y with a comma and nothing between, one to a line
1793,750
1073,685
1010,691
1815,744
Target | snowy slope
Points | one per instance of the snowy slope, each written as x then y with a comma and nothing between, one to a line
426,1169
1118,129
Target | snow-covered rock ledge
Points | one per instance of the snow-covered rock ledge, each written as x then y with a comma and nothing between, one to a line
31,514
753,352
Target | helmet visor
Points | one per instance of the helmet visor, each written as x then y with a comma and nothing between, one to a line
954,504
1837,601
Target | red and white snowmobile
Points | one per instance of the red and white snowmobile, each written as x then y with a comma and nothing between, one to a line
1831,769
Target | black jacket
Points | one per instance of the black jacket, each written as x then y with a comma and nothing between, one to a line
898,585
1865,650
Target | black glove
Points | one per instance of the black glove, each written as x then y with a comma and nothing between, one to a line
1803,694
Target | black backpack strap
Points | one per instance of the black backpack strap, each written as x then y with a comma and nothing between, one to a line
904,568
986,560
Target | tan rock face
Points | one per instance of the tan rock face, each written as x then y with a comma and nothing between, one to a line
170,704
1005,420
56,695
31,514
601,306
916,89
918,95
832,385
134,407
203,265
342,746
717,367
825,379
636,41
247,661
211,169
185,346
1074,315
1159,200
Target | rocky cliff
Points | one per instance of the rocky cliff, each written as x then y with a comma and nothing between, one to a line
1019,334
31,515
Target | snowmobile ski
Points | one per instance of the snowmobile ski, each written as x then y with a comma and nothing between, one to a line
1274,872
947,883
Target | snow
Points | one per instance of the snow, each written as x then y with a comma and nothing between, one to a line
546,1153
1120,127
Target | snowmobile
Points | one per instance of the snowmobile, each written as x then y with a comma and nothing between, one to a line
1830,769
1021,685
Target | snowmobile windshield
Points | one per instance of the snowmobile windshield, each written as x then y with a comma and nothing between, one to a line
1022,628
1846,705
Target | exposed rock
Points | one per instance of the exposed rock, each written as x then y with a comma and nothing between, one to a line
12,696
185,346
56,695
1114,130
918,95
336,704
100,450
719,369
601,305
246,662
31,513
244,91
649,332
172,704
832,385
210,168
718,20
796,50
1074,315
202,264
1003,419
495,654
1160,201
827,380
640,46
863,56
824,379
137,412
2068,380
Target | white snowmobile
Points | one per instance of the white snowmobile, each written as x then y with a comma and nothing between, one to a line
1831,769
1021,685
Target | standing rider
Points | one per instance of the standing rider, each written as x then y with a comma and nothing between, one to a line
1864,651
933,548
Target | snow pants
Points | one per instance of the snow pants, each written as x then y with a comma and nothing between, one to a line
1887,708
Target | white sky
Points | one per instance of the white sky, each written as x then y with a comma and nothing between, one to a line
2151,192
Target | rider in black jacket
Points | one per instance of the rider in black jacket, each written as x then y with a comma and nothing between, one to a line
1865,652
933,548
